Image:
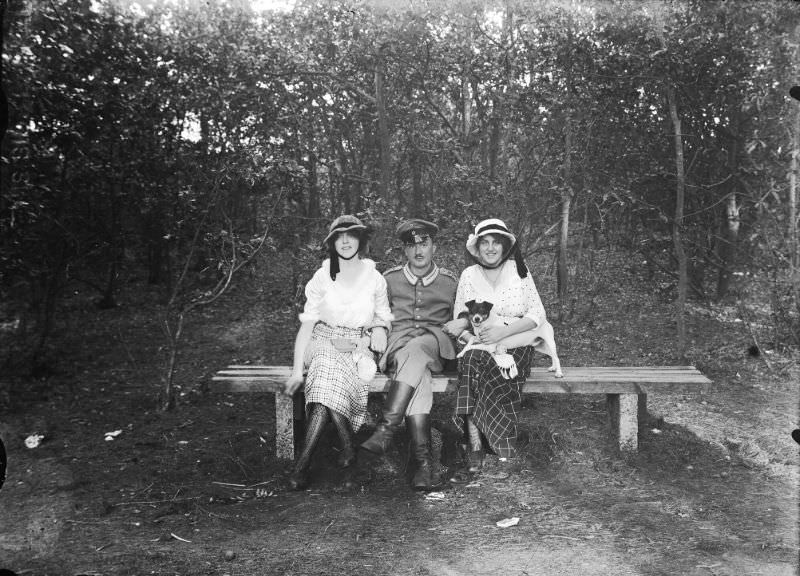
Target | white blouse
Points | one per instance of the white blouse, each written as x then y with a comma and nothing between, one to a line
513,297
352,306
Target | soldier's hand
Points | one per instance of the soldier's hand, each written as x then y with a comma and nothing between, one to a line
455,327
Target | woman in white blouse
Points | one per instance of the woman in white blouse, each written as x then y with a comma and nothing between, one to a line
344,320
488,400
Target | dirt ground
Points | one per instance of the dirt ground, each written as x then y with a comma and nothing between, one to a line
712,491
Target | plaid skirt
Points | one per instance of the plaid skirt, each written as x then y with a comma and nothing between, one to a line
332,377
492,401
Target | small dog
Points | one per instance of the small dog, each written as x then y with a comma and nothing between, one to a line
479,312
541,338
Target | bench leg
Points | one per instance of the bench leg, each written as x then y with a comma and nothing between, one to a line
624,412
643,416
284,426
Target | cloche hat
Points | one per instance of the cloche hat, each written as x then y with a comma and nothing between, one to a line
497,227
344,223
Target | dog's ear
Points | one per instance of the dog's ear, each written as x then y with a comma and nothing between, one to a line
469,304
489,307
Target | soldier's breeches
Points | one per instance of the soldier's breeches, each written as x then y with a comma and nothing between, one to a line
413,364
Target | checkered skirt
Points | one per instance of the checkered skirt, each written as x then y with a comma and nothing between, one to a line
492,401
332,377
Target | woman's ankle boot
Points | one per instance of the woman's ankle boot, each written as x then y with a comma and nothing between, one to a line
347,456
299,477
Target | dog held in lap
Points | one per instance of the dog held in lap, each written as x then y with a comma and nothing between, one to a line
541,338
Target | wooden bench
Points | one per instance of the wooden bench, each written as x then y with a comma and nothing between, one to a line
626,390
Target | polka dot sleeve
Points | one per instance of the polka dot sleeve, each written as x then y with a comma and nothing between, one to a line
534,309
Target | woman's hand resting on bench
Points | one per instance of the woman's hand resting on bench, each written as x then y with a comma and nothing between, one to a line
292,384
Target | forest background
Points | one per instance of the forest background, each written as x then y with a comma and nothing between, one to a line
177,142
169,168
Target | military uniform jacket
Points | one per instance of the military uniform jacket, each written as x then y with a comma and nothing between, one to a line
419,305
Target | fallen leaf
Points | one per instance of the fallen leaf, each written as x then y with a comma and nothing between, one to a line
508,522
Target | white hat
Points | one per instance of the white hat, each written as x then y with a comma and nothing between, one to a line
498,227
490,226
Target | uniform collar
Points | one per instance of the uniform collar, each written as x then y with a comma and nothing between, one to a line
426,280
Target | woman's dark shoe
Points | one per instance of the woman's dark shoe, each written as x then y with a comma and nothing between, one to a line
299,480
347,456
473,464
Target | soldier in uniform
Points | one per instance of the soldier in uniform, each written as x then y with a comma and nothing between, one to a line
421,296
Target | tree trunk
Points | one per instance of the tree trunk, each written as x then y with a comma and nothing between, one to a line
343,169
495,137
730,226
566,203
680,188
173,336
498,165
417,196
729,241
794,244
677,227
563,274
115,236
313,188
566,189
466,115
383,127
794,172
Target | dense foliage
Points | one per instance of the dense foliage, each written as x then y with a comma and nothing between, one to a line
165,140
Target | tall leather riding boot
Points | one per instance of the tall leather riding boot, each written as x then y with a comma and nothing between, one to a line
299,480
419,426
348,454
393,412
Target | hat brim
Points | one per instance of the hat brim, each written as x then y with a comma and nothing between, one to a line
349,228
472,241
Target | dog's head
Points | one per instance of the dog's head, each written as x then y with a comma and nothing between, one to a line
478,312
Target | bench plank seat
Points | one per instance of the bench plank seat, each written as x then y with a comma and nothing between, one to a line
626,389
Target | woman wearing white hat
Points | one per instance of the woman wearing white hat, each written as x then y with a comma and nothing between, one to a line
488,400
346,311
